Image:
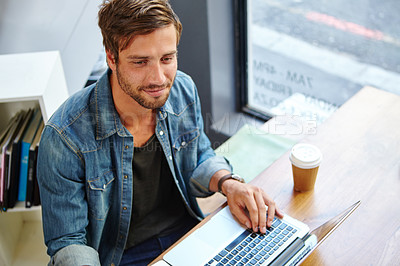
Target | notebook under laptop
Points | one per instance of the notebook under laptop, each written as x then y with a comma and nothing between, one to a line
223,241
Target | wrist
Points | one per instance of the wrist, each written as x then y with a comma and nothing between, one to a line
228,177
227,185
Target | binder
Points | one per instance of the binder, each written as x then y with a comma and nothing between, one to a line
6,159
36,192
25,146
3,140
32,189
16,159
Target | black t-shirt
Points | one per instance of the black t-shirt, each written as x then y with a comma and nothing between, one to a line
158,207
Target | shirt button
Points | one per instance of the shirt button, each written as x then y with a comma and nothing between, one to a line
124,208
112,264
161,133
126,147
125,176
183,143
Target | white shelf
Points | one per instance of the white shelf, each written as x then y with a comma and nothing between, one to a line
31,78
20,207
27,80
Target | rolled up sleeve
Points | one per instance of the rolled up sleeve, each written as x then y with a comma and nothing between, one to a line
202,175
75,255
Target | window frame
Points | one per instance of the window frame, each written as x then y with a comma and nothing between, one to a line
241,60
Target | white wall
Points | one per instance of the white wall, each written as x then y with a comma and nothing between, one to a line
69,26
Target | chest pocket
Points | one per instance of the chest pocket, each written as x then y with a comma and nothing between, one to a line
185,147
100,192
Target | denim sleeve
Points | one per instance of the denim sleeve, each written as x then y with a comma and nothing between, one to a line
203,173
208,162
60,173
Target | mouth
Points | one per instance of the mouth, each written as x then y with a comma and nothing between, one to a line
155,92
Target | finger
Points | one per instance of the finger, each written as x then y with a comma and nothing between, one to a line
252,208
262,212
271,209
271,214
240,214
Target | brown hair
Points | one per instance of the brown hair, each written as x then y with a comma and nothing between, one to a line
121,20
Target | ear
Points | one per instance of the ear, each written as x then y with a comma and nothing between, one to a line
111,60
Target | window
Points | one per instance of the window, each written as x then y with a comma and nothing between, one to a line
307,58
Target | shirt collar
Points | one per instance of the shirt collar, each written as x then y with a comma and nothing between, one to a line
107,118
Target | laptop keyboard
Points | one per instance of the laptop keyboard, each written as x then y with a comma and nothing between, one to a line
253,248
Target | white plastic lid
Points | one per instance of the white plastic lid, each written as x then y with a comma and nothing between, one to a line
305,156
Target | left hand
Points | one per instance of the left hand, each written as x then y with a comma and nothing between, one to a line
242,197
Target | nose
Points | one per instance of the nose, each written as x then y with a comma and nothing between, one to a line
157,75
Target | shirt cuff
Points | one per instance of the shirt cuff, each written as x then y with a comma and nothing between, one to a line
75,255
202,175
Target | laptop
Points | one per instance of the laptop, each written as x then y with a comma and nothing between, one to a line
223,241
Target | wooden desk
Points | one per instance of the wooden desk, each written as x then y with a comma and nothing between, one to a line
361,148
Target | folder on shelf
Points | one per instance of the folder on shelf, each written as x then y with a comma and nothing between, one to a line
25,146
16,158
6,159
36,192
32,189
3,139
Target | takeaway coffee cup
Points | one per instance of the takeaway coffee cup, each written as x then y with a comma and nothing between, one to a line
305,159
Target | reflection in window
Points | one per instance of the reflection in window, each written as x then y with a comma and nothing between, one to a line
308,57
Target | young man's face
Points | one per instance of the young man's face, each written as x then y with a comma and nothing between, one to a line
147,67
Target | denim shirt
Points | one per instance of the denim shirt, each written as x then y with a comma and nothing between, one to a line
85,170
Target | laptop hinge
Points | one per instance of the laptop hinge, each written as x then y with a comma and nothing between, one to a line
288,253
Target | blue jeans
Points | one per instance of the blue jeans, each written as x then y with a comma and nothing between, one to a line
147,251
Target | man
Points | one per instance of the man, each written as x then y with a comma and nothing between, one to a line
121,162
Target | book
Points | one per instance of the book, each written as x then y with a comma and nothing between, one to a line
36,192
6,159
32,188
16,158
3,138
27,139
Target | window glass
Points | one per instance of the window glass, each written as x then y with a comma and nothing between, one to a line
307,58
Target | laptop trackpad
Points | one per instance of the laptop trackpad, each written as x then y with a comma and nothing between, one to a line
211,238
222,228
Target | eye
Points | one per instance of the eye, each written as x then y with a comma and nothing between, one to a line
167,59
139,63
